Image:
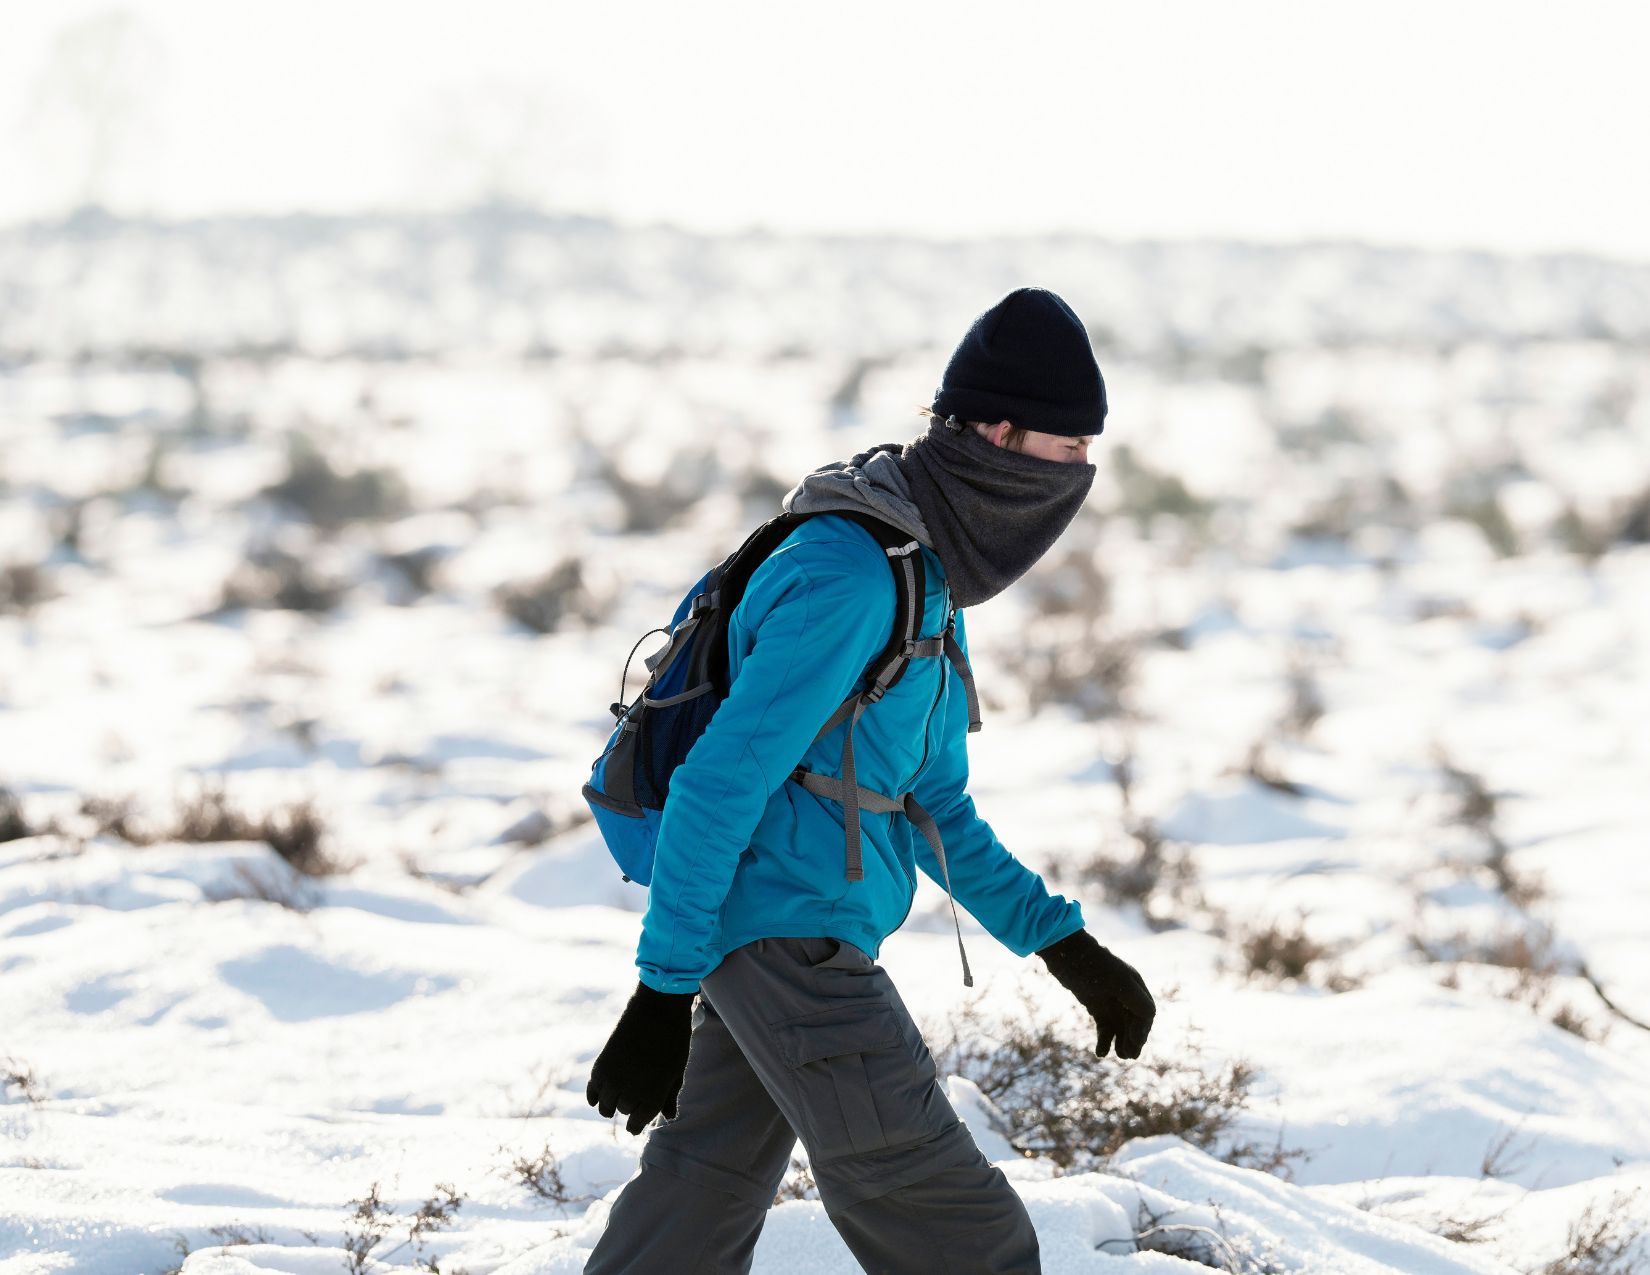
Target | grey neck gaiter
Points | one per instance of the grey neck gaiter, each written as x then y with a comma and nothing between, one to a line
989,512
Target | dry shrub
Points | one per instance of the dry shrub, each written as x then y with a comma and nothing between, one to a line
1069,663
1147,872
272,578
14,825
1477,809
1063,1103
372,1217
1260,766
1458,1226
17,1074
1531,955
1149,494
1568,1018
152,480
547,601
209,817
798,1184
296,832
23,587
541,1174
648,507
1529,950
1487,513
413,571
1586,537
1590,537
117,817
287,890
1306,706
1068,654
1277,954
1158,1232
226,1236
1503,1157
1068,582
1603,1241
328,497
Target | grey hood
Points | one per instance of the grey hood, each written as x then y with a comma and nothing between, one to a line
872,481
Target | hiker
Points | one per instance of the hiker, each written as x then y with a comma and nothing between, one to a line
796,1030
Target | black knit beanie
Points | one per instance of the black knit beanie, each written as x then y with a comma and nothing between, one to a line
1026,359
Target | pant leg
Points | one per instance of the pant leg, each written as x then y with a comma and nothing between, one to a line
898,1172
708,1177
961,1221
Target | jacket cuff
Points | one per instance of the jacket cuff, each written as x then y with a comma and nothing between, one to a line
1062,951
669,986
1070,924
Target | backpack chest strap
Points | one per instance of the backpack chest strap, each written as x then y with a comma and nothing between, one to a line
854,795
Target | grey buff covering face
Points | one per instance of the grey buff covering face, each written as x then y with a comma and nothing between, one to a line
988,512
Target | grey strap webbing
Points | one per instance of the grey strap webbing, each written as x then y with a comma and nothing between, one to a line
911,808
683,631
959,661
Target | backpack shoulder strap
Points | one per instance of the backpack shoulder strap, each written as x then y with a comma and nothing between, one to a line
904,562
910,588
732,576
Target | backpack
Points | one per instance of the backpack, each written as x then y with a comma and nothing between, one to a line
688,680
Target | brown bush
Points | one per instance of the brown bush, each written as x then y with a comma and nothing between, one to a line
1603,1241
23,587
296,832
1145,871
328,497
14,826
1064,1103
1280,954
547,601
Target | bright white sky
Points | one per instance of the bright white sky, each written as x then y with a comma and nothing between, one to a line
1445,122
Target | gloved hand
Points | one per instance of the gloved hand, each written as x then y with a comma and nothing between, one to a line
639,1070
1109,988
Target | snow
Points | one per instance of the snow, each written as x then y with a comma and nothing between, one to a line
194,1036
238,1063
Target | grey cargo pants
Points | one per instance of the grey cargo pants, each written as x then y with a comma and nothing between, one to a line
807,1037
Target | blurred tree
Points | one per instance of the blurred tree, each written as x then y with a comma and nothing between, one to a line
89,111
503,142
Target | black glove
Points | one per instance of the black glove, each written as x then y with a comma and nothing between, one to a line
1110,988
639,1070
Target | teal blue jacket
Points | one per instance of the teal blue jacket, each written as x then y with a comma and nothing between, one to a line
743,854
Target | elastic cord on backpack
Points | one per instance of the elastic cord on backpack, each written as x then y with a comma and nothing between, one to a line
618,706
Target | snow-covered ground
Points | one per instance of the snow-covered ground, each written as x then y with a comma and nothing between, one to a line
1354,673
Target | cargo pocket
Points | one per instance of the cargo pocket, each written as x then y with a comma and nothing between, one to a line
851,1065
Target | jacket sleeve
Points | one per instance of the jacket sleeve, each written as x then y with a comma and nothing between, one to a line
821,611
1004,895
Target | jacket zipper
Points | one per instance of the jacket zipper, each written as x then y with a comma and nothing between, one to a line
943,673
927,728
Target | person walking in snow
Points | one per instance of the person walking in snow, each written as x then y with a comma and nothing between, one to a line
760,1015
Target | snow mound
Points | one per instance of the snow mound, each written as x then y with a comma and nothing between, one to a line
1183,1204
